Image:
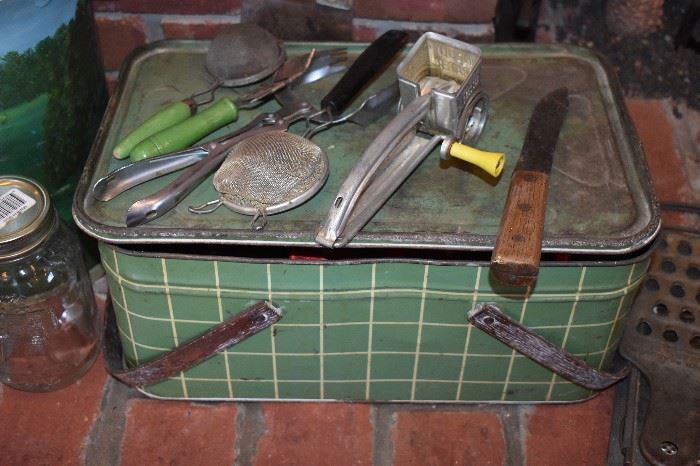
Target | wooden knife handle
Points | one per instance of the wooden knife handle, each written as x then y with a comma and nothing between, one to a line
516,256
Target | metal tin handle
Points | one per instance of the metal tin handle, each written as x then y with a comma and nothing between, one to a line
246,323
489,318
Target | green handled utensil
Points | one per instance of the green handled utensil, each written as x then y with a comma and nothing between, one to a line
186,132
240,54
224,111
164,118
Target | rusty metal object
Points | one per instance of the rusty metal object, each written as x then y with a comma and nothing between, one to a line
250,321
662,338
489,318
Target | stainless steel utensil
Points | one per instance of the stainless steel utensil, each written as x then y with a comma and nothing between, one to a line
187,132
325,63
439,85
240,54
268,173
157,204
370,62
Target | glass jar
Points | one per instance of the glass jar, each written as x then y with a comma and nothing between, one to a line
50,328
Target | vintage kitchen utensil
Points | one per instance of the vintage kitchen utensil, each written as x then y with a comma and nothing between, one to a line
240,54
133,174
368,65
210,156
268,173
183,134
662,338
440,95
381,52
438,229
372,108
116,182
516,256
157,204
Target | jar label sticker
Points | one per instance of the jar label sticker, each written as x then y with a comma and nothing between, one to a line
13,203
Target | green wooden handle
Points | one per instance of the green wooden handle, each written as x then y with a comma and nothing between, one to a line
162,119
187,132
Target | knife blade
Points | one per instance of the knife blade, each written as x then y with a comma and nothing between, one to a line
516,256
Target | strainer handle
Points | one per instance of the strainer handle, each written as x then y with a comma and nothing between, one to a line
157,204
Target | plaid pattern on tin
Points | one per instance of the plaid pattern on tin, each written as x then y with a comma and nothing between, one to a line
374,331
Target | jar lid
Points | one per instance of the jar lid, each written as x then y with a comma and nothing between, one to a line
26,215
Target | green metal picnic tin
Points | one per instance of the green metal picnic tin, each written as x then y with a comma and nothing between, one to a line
386,317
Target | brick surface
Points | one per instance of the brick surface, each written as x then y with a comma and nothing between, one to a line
315,434
118,37
667,174
428,438
570,434
53,427
364,33
178,433
169,6
457,11
192,29
366,30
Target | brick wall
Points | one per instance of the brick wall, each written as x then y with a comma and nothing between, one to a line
124,25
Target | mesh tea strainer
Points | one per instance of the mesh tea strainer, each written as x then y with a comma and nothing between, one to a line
268,173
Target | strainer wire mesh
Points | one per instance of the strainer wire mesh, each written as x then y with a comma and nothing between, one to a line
271,172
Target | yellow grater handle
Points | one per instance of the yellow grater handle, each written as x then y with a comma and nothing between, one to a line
491,162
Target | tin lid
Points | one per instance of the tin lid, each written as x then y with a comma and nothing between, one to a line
600,197
26,215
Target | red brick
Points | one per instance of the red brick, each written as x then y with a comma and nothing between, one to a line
368,30
315,434
456,11
192,29
364,33
665,164
50,428
570,434
112,82
169,6
118,37
425,438
179,432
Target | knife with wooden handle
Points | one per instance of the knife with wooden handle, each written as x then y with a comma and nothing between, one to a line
516,256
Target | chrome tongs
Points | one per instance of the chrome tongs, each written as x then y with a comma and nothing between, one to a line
325,63
157,204
367,65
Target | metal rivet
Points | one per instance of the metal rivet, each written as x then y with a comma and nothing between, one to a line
669,448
